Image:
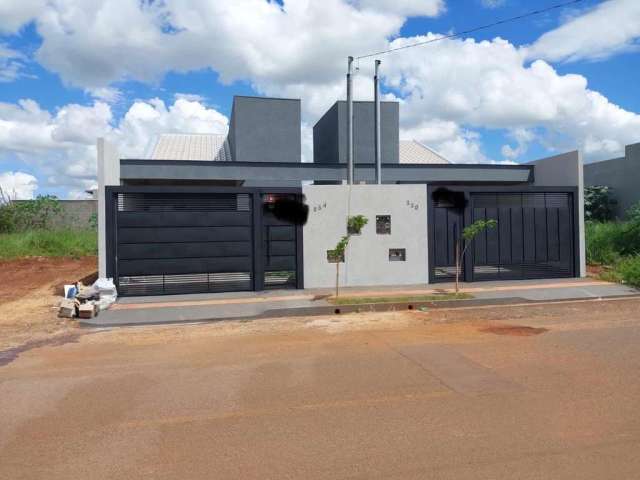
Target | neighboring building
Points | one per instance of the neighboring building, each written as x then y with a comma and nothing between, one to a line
178,146
412,151
179,222
621,174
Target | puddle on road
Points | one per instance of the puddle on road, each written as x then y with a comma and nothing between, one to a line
8,356
513,330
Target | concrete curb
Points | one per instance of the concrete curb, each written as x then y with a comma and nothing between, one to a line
369,307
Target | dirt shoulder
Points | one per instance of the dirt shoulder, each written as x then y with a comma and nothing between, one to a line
30,290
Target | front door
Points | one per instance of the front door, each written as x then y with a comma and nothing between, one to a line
447,227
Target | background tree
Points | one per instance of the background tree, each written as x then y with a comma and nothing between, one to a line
599,203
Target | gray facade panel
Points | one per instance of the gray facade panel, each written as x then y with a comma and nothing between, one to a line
330,139
265,130
259,173
326,138
621,174
367,259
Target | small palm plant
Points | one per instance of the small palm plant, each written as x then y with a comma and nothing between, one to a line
468,234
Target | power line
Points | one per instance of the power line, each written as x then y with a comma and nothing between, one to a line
475,29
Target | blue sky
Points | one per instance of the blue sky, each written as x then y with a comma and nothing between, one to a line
69,73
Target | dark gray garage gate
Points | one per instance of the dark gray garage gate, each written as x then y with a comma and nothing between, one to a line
535,237
169,240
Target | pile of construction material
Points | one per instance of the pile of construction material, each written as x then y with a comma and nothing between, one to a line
87,301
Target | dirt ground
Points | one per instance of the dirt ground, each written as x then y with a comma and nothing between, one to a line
527,392
30,290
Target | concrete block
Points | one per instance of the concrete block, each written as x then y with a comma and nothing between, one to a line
67,308
87,310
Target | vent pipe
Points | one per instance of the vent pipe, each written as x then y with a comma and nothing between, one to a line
376,123
349,122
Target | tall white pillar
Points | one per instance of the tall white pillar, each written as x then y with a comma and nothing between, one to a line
108,174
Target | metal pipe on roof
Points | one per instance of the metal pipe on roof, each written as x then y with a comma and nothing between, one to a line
349,121
376,123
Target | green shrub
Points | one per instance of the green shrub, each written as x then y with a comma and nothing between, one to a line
633,213
28,215
607,242
601,242
49,243
628,270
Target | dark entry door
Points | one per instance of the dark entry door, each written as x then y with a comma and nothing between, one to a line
534,237
448,222
280,245
173,242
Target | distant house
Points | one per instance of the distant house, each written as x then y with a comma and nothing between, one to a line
622,174
206,213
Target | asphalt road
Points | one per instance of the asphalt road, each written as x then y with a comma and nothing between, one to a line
438,395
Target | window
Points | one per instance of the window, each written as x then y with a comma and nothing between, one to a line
397,254
383,224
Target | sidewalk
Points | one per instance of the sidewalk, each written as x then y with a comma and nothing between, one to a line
274,303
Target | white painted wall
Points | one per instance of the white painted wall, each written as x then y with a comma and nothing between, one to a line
561,171
108,174
367,257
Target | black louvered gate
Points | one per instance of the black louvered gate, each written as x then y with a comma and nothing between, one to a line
279,246
192,240
535,237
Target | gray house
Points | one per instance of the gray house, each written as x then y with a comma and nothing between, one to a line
622,174
223,213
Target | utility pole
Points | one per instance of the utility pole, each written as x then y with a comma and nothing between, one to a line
349,122
376,122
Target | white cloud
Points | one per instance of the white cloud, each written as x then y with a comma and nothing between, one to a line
407,8
492,3
611,27
18,185
488,84
192,97
15,13
106,94
90,45
11,64
523,138
456,144
61,145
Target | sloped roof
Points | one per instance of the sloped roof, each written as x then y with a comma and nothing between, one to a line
180,146
412,151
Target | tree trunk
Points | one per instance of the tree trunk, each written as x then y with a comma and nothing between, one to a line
337,278
457,265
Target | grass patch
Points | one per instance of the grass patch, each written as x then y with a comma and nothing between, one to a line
608,242
615,246
625,270
49,243
400,299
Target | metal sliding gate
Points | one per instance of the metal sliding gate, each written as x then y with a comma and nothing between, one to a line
535,237
196,240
